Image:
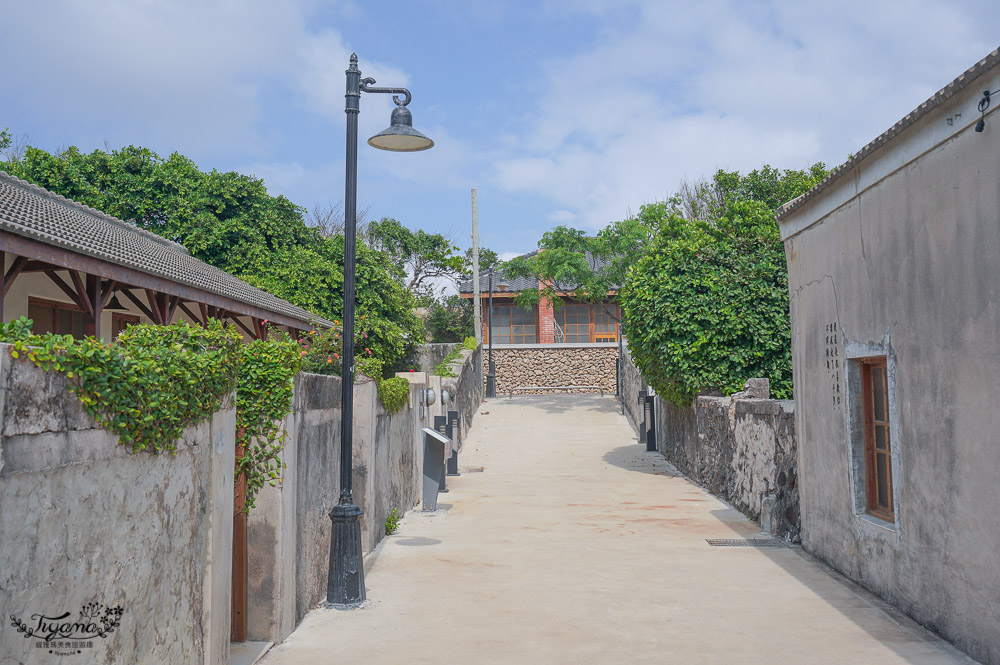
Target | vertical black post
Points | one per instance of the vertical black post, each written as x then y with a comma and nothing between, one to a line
441,425
454,428
650,412
491,376
642,425
346,580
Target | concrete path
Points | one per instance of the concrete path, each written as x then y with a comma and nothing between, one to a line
563,541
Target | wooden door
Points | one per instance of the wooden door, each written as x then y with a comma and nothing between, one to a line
238,621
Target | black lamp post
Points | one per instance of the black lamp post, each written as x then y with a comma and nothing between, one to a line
346,580
491,376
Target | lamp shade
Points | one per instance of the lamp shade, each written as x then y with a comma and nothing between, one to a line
115,304
400,136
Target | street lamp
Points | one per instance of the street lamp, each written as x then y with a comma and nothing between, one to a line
346,580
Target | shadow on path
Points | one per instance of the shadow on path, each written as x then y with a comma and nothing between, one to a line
566,403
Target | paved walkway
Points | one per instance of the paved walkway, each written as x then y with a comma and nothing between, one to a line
563,541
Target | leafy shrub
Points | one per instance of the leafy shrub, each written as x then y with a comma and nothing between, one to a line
450,319
707,307
321,354
263,399
149,385
444,367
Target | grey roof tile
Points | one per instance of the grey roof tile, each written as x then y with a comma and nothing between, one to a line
35,212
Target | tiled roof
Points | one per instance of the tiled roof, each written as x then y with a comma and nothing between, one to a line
33,212
942,95
517,284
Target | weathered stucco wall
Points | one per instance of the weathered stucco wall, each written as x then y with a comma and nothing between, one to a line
430,356
467,389
317,484
901,260
631,383
741,448
553,365
84,520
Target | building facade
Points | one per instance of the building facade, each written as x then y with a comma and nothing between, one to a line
895,309
76,271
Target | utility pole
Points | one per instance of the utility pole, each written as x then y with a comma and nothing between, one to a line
477,312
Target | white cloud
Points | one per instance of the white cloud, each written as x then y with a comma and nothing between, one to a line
163,71
687,89
562,216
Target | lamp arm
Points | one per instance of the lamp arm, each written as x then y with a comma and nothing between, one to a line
366,86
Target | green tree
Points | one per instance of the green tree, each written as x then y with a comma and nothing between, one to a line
230,221
586,268
707,306
487,259
424,256
450,319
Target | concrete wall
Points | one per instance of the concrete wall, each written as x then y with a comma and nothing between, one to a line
742,448
553,365
289,529
631,383
430,355
467,389
899,258
84,520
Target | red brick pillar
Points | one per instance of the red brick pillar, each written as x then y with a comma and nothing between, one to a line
546,321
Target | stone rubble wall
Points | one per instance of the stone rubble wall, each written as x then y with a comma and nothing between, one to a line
741,448
556,365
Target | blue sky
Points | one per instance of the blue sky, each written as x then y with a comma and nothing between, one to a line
572,112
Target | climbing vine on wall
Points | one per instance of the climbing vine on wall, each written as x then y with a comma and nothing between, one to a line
146,387
263,399
155,381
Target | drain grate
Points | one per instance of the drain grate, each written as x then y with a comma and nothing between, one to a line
745,542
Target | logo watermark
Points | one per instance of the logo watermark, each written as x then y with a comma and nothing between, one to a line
62,636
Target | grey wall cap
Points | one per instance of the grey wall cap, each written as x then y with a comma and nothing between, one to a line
956,86
576,345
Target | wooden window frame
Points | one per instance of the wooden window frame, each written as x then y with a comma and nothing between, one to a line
869,367
592,333
56,305
496,306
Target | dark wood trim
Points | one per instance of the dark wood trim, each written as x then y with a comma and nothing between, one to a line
872,453
238,615
60,258
48,302
184,308
236,320
260,327
16,268
172,302
92,297
81,289
139,304
70,293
